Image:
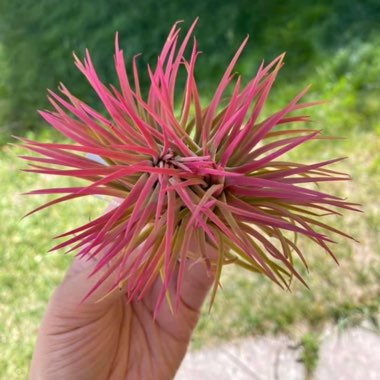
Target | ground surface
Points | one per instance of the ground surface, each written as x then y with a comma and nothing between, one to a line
351,354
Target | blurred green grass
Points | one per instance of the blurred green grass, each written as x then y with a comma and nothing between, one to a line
248,304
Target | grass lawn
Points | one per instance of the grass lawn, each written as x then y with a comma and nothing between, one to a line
248,304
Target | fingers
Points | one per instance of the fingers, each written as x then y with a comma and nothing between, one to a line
196,284
74,290
79,280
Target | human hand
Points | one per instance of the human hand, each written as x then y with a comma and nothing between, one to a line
114,339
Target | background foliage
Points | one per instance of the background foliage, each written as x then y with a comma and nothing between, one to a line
38,37
334,44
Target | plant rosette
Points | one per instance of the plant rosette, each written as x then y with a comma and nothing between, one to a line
187,175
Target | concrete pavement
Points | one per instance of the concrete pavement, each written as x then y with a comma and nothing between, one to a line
352,354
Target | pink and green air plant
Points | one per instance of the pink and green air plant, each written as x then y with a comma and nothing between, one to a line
211,174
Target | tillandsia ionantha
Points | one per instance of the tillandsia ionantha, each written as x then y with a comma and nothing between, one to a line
184,172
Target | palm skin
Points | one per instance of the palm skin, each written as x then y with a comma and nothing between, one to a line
113,339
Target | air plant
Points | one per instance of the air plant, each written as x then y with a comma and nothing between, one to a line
186,175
